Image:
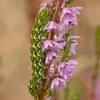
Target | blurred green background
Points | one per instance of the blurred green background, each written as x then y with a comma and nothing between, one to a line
16,20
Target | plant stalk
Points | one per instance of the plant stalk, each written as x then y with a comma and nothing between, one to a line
52,36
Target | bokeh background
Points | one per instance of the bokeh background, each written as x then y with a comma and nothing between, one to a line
16,20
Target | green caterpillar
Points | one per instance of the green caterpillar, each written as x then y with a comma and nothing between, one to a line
37,57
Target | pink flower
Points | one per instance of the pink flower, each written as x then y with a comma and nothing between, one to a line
42,6
64,3
51,70
52,45
73,48
71,11
47,44
50,2
60,37
30,67
74,37
75,10
58,83
68,17
60,40
51,55
50,98
73,45
65,12
65,69
57,46
52,26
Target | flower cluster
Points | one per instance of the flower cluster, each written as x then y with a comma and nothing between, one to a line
67,19
62,71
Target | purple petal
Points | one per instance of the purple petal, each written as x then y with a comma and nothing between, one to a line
56,82
30,67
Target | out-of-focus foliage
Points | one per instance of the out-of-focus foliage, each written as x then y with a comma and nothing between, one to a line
84,85
97,48
75,98
97,42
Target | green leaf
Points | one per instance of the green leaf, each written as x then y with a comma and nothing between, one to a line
97,40
67,34
67,49
68,2
75,98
